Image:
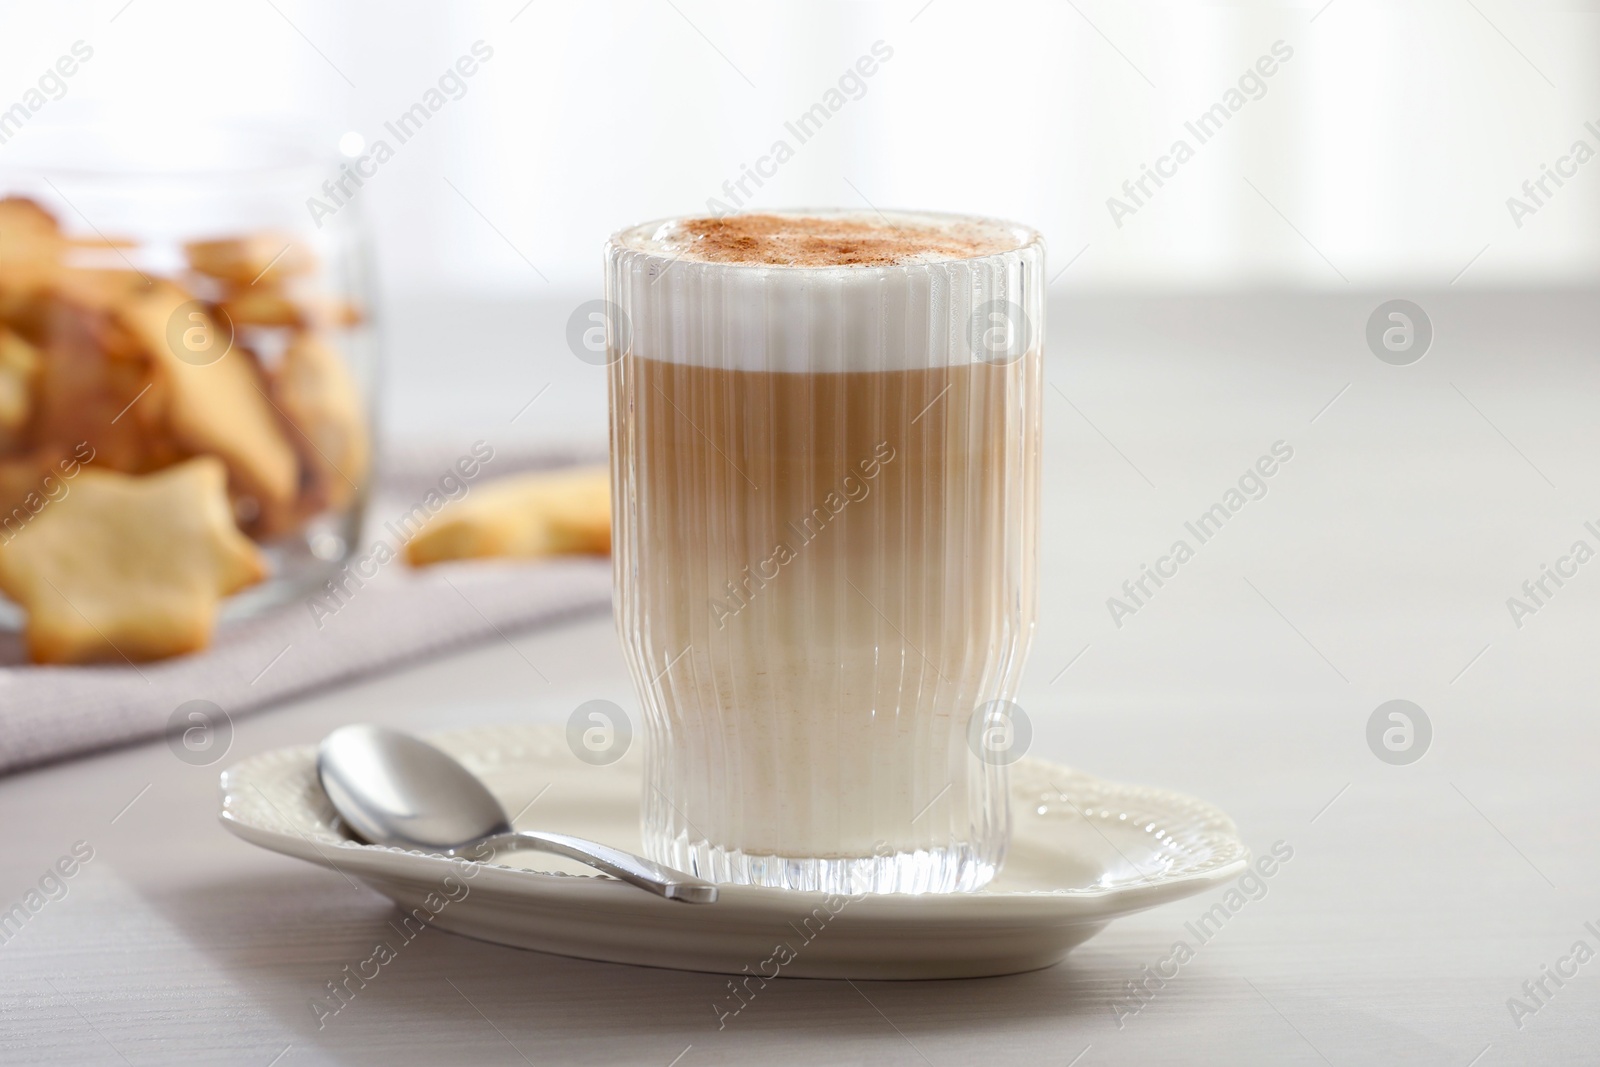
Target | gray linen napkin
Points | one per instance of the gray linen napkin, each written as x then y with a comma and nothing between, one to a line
398,616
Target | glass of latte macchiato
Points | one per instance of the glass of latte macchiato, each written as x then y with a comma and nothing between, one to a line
825,448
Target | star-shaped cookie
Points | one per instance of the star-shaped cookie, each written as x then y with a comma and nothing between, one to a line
128,566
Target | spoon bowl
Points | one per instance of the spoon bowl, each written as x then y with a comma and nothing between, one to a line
393,788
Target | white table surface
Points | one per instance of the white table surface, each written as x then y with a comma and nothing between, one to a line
1419,898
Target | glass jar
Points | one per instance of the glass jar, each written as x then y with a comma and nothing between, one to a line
130,257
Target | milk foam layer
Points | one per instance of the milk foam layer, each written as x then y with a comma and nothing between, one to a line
910,292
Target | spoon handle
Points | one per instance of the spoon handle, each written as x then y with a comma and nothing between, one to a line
661,880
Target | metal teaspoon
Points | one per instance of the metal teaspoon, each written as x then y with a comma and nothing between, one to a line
395,789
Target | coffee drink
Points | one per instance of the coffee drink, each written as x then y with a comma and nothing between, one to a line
825,441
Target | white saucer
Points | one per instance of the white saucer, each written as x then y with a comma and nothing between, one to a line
1084,852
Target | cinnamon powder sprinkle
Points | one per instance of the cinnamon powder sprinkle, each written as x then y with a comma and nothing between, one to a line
845,241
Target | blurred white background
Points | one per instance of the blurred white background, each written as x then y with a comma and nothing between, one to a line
1381,153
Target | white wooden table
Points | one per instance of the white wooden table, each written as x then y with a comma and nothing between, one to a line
1419,897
